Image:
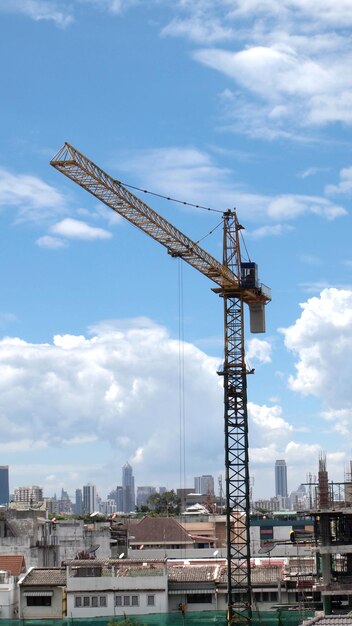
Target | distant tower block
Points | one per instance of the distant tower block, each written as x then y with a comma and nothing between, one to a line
281,478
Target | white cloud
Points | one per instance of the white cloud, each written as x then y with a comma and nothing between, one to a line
33,199
194,174
116,7
270,231
321,340
75,229
199,29
310,259
39,10
290,86
120,385
53,243
311,171
259,350
345,184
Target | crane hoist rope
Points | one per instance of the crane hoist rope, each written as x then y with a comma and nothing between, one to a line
237,283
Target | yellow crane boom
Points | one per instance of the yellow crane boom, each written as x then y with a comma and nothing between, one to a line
88,175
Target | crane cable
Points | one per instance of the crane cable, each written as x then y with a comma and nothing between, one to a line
160,195
181,383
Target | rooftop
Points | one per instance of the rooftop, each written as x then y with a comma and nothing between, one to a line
45,576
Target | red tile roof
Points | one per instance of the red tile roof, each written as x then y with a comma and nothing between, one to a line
45,577
13,563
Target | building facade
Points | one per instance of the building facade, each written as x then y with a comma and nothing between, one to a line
4,484
128,493
89,499
204,484
30,495
281,478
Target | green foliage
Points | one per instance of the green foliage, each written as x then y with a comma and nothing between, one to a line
166,504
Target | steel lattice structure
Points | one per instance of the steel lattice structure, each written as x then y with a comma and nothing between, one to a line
230,286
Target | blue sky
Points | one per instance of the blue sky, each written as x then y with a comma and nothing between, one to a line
224,104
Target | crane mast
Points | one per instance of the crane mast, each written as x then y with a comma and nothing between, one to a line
237,283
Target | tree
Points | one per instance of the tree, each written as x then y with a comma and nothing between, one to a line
167,503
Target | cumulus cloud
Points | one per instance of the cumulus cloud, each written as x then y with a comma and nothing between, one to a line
119,385
76,229
321,341
259,350
345,184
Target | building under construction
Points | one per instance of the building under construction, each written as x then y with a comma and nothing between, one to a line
331,512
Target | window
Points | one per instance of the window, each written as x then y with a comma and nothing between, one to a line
199,598
95,601
126,600
102,600
86,601
118,601
78,601
135,601
150,600
38,600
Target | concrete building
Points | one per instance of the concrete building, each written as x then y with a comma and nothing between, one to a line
107,507
4,484
46,544
281,478
128,492
116,588
11,569
204,484
42,594
89,499
29,495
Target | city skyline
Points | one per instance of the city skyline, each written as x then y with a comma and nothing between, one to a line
220,106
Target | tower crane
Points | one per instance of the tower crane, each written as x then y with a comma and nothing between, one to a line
237,283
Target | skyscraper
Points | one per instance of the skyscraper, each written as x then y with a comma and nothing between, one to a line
89,499
281,478
4,484
204,484
78,508
128,497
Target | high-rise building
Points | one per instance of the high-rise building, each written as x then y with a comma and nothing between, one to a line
281,478
4,484
89,499
128,497
78,508
143,494
204,484
30,495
